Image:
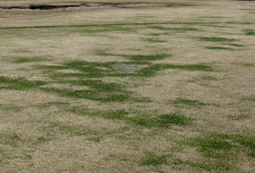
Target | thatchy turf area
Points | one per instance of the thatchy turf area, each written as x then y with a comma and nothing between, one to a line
163,88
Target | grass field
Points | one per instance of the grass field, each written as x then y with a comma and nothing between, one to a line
160,88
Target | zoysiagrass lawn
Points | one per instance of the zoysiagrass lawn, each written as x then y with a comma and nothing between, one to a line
156,89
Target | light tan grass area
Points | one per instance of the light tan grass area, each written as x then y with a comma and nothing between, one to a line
148,89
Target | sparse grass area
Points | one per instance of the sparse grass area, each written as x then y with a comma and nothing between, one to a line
9,139
28,60
131,89
162,121
11,107
204,80
238,117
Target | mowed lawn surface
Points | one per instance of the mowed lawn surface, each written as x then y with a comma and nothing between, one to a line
148,89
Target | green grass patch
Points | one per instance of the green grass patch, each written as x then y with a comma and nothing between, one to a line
221,151
238,117
224,146
9,139
154,159
84,4
155,34
139,57
154,40
153,69
149,57
20,60
217,39
110,114
208,165
249,32
161,121
248,98
235,45
189,102
105,29
139,66
182,29
115,69
210,78
245,64
11,107
101,92
219,48
19,83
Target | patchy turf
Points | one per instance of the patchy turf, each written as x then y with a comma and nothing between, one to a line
133,87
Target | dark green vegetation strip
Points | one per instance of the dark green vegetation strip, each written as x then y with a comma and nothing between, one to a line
19,83
219,48
154,40
224,41
174,29
216,39
249,32
235,45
